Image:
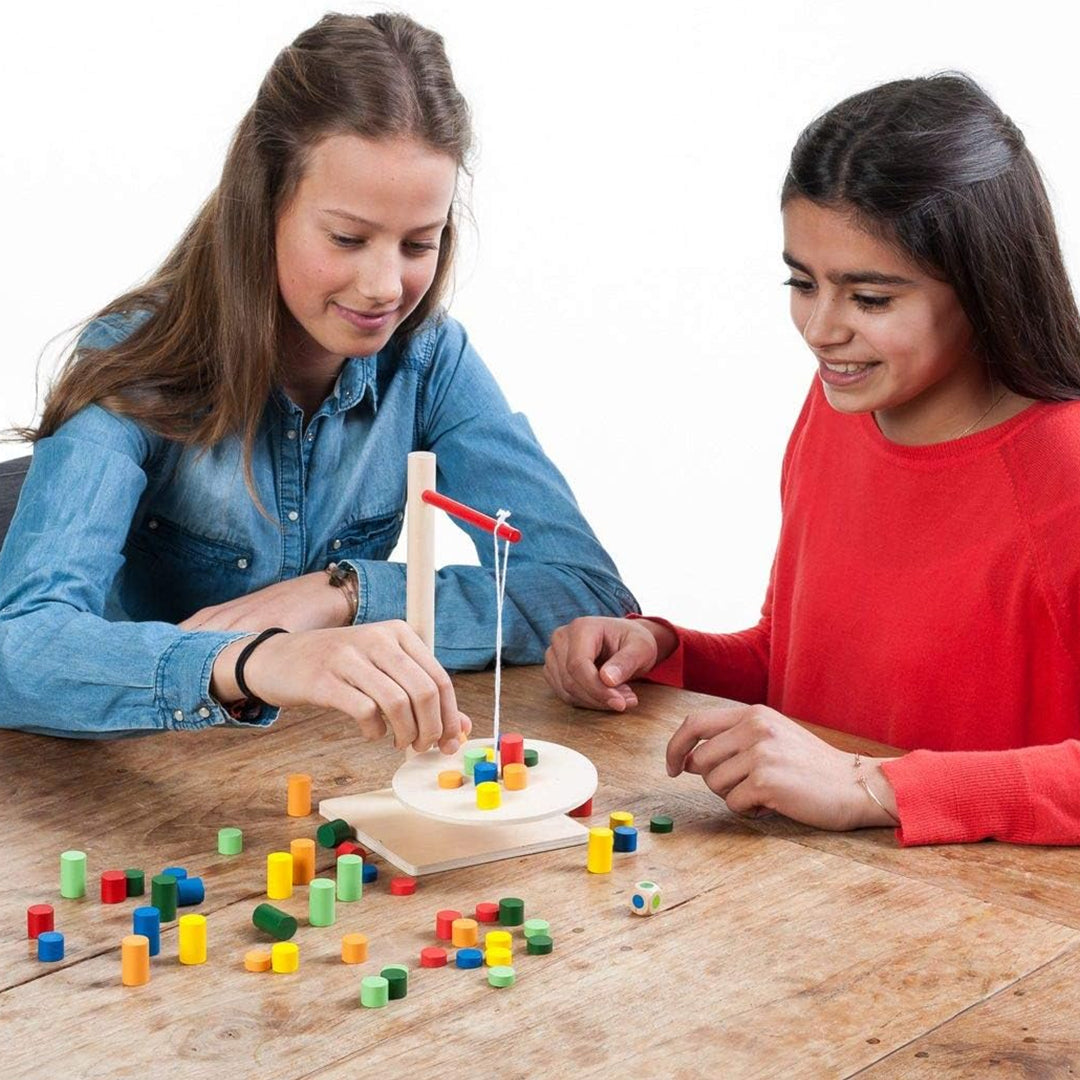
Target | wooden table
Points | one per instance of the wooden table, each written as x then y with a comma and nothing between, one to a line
780,951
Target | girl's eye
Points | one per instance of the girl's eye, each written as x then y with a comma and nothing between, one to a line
345,241
420,247
872,303
799,285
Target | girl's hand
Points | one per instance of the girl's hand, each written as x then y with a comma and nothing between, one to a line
758,760
591,660
308,602
381,674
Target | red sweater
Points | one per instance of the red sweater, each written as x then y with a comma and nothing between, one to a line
927,597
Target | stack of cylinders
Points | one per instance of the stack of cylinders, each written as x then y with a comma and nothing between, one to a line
192,939
135,960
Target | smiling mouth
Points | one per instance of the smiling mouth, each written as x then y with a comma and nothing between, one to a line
850,368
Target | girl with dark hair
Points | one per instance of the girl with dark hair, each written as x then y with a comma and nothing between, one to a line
926,587
229,432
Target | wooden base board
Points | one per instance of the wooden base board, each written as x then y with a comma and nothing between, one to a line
420,845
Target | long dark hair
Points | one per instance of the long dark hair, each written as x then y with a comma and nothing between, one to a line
204,362
933,166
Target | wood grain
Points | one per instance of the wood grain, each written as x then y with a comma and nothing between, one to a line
779,951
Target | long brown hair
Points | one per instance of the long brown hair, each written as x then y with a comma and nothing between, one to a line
201,364
933,166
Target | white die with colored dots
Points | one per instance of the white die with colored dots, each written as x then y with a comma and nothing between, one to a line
645,899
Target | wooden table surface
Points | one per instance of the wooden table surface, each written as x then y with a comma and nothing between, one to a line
780,951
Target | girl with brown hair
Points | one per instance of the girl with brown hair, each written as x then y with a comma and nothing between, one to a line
229,431
926,587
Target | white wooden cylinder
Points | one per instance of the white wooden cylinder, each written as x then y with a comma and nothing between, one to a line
420,565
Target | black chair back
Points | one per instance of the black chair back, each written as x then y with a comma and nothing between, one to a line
12,474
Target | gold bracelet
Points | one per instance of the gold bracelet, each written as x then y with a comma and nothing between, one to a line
346,579
861,781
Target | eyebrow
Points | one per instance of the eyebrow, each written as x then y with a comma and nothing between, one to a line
374,225
852,277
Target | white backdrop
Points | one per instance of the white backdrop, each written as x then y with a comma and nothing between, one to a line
623,278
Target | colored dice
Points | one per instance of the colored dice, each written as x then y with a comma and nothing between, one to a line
645,899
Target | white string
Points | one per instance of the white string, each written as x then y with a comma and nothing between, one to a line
500,593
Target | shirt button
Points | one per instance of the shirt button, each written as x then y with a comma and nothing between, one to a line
242,563
291,433
178,715
152,523
204,712
310,436
336,544
293,515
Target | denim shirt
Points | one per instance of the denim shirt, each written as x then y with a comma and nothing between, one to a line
120,534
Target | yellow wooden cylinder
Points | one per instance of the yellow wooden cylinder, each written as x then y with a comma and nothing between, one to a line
303,860
488,795
620,817
192,939
279,872
601,845
498,957
135,960
284,957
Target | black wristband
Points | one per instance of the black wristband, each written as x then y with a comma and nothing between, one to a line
248,649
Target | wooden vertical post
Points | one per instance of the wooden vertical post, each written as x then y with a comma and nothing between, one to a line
420,564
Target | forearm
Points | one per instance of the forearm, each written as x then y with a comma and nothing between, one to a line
734,666
71,673
539,598
1029,795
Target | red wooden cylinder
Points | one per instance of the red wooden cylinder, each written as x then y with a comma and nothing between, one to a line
511,749
113,887
39,919
487,912
444,923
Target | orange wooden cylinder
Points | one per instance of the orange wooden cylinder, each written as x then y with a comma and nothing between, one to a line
135,960
354,948
303,860
465,933
298,800
515,777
